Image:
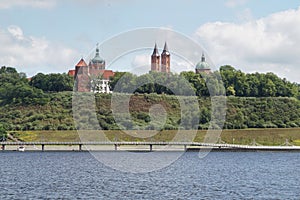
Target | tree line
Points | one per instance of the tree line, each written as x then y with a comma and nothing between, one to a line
41,103
227,81
17,89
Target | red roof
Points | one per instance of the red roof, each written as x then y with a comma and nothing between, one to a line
106,74
81,63
71,72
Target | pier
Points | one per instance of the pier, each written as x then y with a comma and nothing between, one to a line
151,146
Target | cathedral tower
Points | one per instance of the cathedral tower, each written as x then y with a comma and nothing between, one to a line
165,59
155,60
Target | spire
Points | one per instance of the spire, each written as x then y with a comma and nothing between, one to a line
155,51
203,57
166,47
166,51
97,58
97,49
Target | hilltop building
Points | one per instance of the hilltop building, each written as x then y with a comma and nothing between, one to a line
92,77
203,66
164,65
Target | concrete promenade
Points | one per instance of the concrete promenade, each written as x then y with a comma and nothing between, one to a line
138,146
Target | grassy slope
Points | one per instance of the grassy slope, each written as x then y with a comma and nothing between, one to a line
240,110
241,136
241,113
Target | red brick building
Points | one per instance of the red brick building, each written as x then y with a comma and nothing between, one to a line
92,77
164,65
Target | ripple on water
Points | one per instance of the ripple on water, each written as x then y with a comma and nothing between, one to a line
220,175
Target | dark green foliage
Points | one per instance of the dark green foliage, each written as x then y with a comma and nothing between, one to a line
24,107
184,84
242,112
55,115
52,82
15,90
255,101
3,133
228,81
279,112
240,84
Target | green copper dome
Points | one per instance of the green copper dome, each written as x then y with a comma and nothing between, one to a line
97,58
203,64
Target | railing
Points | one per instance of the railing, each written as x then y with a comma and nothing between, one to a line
213,145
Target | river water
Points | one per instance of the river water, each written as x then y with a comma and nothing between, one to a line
220,175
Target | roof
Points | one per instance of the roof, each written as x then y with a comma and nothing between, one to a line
203,64
106,74
155,51
81,63
97,58
165,51
71,72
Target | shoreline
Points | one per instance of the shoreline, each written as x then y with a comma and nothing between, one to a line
141,148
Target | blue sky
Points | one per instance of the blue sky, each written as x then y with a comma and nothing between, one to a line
52,35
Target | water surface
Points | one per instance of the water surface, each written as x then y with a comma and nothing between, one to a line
220,175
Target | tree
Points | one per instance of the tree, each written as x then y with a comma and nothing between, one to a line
14,89
3,133
230,91
8,70
52,82
114,79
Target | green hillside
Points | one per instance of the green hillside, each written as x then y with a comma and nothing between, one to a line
241,113
273,136
44,102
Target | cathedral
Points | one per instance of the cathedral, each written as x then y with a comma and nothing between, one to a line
92,77
161,63
164,65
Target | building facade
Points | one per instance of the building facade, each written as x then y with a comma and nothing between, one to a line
92,77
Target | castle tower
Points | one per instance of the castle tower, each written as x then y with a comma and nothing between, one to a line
155,59
165,59
81,77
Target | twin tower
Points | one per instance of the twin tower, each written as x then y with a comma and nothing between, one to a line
164,65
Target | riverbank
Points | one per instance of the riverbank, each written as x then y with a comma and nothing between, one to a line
137,146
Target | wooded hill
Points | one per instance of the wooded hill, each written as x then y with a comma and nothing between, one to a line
241,112
253,101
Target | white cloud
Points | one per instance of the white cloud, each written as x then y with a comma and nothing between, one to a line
32,55
140,64
16,32
6,4
141,60
267,44
235,3
245,15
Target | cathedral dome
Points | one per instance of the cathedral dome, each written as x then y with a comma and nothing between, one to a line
203,64
97,59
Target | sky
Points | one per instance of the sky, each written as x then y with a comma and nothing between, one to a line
50,36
